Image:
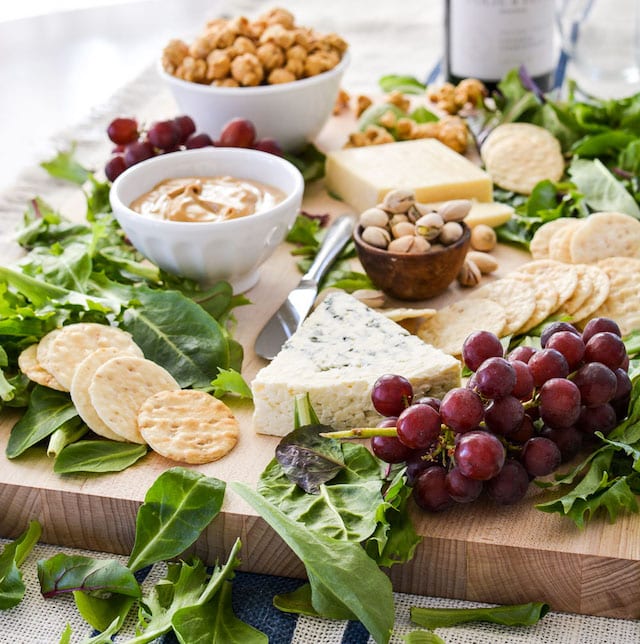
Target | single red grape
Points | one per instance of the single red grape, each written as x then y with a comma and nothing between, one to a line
196,141
540,456
596,382
559,402
461,488
268,145
479,346
523,389
601,418
546,364
429,490
553,328
461,409
186,127
522,353
123,130
598,325
495,378
418,426
238,133
479,455
509,485
570,345
389,449
504,416
114,167
607,348
137,152
568,440
524,432
164,135
391,394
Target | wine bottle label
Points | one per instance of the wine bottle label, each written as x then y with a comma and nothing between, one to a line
487,38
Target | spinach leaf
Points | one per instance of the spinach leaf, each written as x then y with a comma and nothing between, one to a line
513,615
12,587
336,570
178,334
97,456
64,573
48,410
307,459
177,508
215,623
601,189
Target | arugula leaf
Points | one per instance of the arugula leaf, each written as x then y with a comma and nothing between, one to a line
335,569
12,587
64,573
177,508
97,456
513,615
215,623
64,166
48,410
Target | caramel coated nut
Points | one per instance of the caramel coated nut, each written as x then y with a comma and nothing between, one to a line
376,236
398,201
469,274
450,233
455,210
483,238
485,262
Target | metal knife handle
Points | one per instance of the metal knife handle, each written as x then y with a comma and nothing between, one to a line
334,241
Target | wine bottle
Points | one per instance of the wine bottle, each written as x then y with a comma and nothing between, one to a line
484,39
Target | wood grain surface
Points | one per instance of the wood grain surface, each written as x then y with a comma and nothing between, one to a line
476,552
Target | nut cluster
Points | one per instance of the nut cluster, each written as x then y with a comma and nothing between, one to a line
454,98
242,53
400,224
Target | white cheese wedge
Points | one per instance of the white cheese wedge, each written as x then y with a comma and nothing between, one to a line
336,356
362,176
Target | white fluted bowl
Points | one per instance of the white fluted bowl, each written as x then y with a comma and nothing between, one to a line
209,252
291,113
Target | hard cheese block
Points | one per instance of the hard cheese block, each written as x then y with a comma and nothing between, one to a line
362,176
336,356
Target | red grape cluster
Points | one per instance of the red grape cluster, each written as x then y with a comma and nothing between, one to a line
519,417
134,144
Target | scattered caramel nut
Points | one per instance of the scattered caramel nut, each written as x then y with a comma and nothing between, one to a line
455,209
342,102
376,236
362,103
483,237
450,233
469,274
398,201
388,119
370,297
247,70
485,262
374,217
430,226
398,99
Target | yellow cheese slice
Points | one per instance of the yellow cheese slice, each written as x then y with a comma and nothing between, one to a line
362,176
492,214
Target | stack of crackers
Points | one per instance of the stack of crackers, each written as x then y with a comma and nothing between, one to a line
122,396
582,268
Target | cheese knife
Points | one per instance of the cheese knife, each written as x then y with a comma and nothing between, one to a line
288,318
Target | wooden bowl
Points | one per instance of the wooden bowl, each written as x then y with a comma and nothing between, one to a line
406,276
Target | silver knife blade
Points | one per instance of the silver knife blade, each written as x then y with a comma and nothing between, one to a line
291,314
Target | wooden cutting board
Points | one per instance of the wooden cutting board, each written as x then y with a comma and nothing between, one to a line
476,552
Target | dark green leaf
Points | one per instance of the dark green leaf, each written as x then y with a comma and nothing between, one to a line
604,144
215,623
105,614
308,459
177,508
67,573
12,587
422,637
48,409
304,231
178,334
514,615
298,601
97,456
67,433
336,570
310,161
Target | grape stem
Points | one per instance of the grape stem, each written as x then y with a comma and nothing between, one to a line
361,432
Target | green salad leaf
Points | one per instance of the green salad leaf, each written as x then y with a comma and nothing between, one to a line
513,615
13,555
97,456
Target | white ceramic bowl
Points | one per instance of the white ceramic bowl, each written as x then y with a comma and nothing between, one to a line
291,113
210,251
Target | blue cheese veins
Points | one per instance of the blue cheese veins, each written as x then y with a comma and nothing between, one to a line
336,356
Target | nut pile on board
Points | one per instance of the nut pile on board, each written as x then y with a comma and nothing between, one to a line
122,396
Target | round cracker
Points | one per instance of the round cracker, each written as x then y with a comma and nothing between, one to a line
605,234
560,243
188,426
30,367
524,156
43,348
80,391
623,301
120,386
73,343
516,297
563,277
584,289
539,246
546,300
450,326
400,314
599,294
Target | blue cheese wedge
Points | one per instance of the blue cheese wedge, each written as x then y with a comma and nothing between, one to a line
362,176
336,356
